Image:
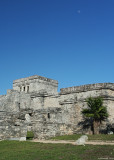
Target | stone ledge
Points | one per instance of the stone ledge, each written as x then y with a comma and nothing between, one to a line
88,87
35,77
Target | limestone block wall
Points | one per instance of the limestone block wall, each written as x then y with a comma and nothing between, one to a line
9,102
89,87
24,101
12,120
2,101
52,101
37,103
46,122
68,118
43,100
49,123
12,126
14,101
78,95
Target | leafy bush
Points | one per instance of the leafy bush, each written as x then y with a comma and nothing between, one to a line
30,135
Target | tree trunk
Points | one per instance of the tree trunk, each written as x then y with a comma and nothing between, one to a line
96,125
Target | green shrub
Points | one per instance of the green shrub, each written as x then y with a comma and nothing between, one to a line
30,135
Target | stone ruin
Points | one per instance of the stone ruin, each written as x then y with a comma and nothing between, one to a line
35,105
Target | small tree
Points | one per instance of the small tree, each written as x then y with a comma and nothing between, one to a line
96,111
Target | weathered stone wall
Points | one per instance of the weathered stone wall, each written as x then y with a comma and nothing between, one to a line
14,101
38,107
12,121
35,84
12,126
78,95
89,87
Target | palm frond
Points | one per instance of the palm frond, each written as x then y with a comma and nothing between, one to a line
95,109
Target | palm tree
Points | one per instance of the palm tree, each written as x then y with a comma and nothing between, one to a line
95,111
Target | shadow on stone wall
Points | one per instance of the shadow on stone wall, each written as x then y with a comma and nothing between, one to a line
110,128
86,126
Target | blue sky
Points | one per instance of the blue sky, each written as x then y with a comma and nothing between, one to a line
71,41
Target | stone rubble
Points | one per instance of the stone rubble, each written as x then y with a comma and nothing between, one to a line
82,140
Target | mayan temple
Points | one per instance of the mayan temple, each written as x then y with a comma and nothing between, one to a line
34,104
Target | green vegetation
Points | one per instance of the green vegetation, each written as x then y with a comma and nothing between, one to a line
67,137
102,137
14,150
96,112
30,135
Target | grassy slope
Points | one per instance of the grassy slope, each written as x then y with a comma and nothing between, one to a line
102,137
14,150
